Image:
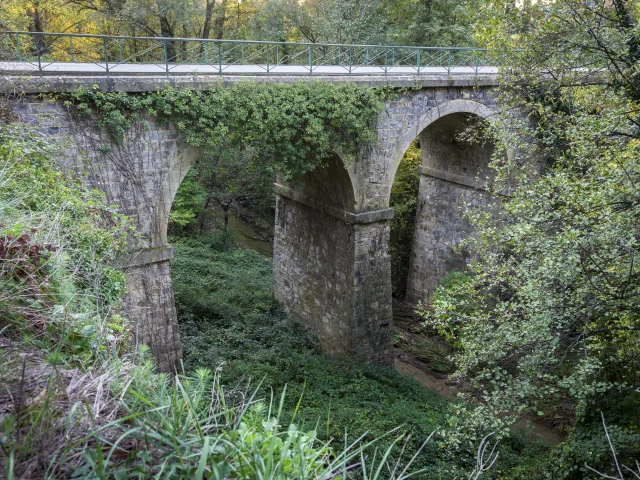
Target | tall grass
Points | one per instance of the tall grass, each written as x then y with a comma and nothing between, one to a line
194,427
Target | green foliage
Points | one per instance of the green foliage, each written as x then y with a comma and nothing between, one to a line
426,349
194,427
228,317
289,128
402,22
404,199
549,315
189,202
443,314
236,180
59,294
57,240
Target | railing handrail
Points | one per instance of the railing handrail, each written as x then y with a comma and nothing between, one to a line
260,42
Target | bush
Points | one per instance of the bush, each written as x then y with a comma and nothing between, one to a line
59,298
57,241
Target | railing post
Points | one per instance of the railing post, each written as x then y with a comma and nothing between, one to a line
393,56
277,55
366,55
19,47
106,54
267,58
242,50
166,57
418,59
386,59
120,49
219,58
38,52
204,52
310,53
73,54
350,59
339,59
448,62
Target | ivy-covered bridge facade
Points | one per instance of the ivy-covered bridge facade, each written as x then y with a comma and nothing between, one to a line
331,260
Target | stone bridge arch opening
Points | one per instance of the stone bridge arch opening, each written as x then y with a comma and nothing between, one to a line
453,173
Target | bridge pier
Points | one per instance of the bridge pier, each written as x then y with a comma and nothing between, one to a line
149,302
141,175
332,273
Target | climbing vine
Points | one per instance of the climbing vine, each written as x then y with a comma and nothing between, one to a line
292,128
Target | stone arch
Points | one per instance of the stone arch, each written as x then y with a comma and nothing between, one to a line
458,106
453,173
328,188
178,169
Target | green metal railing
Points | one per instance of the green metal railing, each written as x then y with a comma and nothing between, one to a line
78,53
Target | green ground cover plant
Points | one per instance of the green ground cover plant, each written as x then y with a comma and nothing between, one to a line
229,319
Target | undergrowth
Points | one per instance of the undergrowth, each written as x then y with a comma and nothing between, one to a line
228,317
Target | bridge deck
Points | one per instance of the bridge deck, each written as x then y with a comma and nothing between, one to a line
209,69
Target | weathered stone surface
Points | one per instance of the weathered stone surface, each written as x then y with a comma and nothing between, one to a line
313,271
331,261
141,176
439,229
334,277
150,303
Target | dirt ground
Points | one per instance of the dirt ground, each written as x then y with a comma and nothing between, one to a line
442,387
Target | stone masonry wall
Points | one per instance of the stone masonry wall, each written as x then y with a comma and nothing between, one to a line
140,176
439,229
372,318
313,272
312,250
333,277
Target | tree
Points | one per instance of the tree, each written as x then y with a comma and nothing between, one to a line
235,179
549,316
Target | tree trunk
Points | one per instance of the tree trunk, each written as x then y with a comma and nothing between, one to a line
427,8
37,26
203,214
167,31
208,15
220,19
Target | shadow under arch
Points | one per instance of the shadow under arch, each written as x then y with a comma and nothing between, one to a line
328,188
453,174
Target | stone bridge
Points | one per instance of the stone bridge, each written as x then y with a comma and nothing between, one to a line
331,250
